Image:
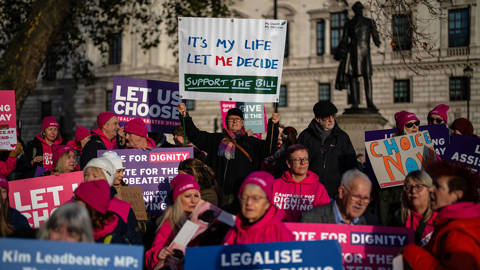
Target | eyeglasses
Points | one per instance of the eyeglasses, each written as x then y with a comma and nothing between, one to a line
435,120
411,124
255,199
356,197
233,120
415,188
299,160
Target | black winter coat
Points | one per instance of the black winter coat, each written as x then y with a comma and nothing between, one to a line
24,165
330,159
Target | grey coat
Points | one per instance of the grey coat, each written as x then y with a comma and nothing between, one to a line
325,214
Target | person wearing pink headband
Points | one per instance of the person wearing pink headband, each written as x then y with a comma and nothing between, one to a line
10,219
137,135
186,195
103,138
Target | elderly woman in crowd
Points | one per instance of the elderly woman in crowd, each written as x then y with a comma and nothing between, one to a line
70,222
186,196
259,220
455,243
64,159
298,185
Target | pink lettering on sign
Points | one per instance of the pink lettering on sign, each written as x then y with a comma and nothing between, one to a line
169,157
36,198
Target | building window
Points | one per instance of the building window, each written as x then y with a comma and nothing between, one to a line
190,104
401,91
50,68
323,91
115,49
337,21
402,32
109,101
282,101
459,27
46,108
287,43
321,37
458,88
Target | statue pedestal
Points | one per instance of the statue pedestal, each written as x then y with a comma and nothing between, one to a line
355,125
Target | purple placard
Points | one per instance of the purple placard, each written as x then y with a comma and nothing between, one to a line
373,135
464,149
440,136
155,102
153,170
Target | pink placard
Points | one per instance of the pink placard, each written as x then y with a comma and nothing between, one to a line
363,247
8,120
36,198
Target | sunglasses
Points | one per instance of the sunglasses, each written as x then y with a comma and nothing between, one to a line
411,124
435,120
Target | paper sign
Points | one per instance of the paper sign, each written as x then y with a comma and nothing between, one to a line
253,114
363,247
36,198
231,59
392,159
324,255
184,236
133,195
23,254
466,150
155,102
8,120
152,170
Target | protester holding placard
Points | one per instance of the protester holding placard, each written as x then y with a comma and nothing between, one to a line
259,221
331,151
455,243
462,126
438,115
350,206
38,152
82,136
204,176
186,196
103,138
70,222
137,135
298,190
232,154
10,219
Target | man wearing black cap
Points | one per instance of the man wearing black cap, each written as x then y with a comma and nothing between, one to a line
331,151
231,154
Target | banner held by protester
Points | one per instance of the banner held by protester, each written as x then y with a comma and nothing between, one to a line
219,60
8,120
466,150
36,198
155,102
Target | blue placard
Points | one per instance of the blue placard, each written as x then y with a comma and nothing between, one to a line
464,149
279,255
26,254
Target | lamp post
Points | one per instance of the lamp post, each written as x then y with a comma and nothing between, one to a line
468,73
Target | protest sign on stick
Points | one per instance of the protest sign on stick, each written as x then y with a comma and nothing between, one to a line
36,198
392,159
464,149
231,59
8,120
155,102
152,170
363,247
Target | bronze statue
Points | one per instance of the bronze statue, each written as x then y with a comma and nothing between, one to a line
353,52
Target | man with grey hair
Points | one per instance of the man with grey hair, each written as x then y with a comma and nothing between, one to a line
349,207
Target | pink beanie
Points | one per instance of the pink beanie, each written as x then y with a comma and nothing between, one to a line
95,193
181,183
441,110
403,117
103,118
59,150
81,133
136,126
49,121
262,179
3,182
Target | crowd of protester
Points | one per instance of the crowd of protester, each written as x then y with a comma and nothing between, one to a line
254,179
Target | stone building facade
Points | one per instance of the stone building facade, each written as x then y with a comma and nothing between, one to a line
308,73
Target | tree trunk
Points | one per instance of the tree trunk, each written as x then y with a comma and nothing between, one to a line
24,56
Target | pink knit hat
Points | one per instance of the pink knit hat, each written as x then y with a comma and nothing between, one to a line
3,182
59,150
181,183
262,179
103,118
136,126
49,121
95,193
441,110
81,133
403,117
